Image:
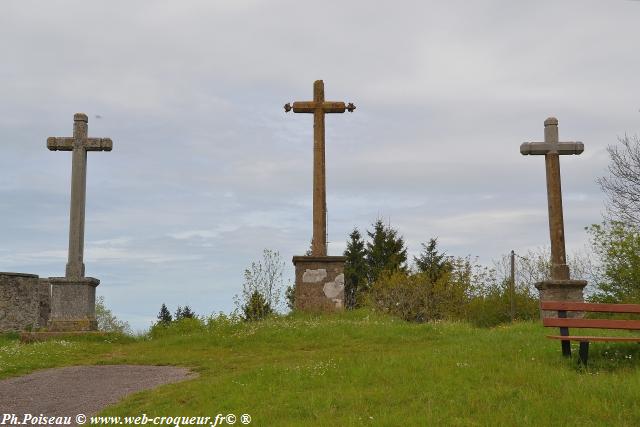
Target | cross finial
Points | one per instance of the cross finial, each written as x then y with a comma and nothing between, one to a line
80,117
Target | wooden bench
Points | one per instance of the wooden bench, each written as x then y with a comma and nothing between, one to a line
565,323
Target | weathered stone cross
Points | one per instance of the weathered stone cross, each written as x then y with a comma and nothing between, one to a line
319,107
552,149
79,143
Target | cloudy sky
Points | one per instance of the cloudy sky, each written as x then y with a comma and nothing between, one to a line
207,170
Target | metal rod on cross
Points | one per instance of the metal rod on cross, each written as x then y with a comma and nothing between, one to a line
319,107
552,149
79,143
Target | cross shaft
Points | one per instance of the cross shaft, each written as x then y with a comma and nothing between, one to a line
319,107
552,149
80,143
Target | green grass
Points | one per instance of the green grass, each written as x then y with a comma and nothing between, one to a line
362,369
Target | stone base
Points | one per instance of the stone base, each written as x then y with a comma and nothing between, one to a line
561,290
319,283
73,304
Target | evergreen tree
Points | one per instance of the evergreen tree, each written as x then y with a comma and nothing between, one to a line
257,307
164,317
178,315
355,269
385,252
187,313
431,262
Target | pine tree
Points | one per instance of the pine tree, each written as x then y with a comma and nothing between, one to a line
355,269
187,313
178,316
257,308
164,317
385,252
431,262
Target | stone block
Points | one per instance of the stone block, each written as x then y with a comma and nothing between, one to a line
319,284
20,296
561,290
73,304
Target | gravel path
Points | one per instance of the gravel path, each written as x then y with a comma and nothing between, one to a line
81,389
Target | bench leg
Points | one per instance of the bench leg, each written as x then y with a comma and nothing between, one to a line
566,345
584,352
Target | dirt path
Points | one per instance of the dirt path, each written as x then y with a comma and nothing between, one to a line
80,389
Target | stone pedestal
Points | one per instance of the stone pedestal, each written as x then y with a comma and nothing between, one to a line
561,290
73,304
319,283
23,302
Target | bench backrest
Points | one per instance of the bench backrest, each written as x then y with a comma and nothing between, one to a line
563,306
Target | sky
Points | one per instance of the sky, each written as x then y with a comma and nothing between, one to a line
207,170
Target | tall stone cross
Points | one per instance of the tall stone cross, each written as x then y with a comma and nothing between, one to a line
319,107
79,143
552,149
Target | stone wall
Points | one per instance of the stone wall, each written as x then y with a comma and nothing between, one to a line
319,283
45,302
23,302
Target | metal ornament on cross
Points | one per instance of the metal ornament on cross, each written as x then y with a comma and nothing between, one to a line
552,149
319,107
79,143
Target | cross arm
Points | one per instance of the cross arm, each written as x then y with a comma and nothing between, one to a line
90,144
562,148
60,143
98,144
326,107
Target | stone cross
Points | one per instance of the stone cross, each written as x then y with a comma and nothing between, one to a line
79,143
552,149
319,107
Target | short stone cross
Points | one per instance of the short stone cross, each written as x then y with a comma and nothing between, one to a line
551,148
79,143
319,107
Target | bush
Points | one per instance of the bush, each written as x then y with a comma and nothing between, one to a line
414,297
107,321
185,326
492,306
257,308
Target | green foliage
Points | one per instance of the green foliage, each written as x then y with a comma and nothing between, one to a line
107,321
355,271
618,246
264,277
256,308
290,297
386,251
432,262
164,316
184,313
492,306
416,297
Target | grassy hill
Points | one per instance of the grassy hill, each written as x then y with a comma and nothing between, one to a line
359,368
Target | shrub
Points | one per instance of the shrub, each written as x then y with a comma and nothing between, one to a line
257,307
414,297
492,306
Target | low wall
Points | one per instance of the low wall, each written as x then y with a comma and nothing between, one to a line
24,302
